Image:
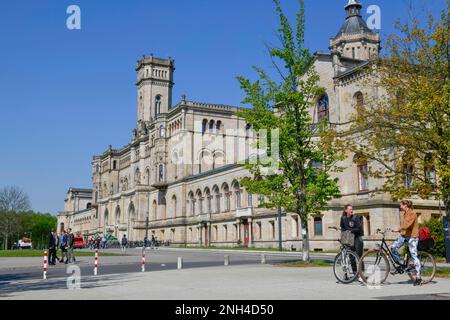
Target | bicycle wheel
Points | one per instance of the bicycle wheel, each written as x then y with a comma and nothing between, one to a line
343,269
427,267
374,267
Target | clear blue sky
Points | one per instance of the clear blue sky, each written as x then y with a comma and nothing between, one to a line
66,95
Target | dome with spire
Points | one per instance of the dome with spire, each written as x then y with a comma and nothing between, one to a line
354,40
354,23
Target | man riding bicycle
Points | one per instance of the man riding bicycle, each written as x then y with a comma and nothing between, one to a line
409,232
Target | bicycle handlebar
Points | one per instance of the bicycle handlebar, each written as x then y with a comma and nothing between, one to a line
385,230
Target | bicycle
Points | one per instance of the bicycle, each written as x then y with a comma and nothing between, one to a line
377,264
345,263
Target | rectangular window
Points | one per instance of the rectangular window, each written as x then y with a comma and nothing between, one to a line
259,228
272,229
318,227
408,176
294,228
365,223
363,177
227,202
238,199
225,233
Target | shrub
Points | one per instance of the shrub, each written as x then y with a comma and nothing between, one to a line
437,232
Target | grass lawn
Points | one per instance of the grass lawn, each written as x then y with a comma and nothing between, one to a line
442,273
238,248
40,253
302,264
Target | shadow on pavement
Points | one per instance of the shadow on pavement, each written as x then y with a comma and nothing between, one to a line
18,284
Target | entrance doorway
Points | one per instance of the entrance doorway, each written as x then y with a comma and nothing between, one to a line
246,233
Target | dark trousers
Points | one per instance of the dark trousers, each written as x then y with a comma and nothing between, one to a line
52,256
358,248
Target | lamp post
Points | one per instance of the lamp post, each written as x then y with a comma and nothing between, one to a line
280,240
146,230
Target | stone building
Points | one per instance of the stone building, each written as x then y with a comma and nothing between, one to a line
180,170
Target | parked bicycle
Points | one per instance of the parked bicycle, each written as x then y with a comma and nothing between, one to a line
345,266
377,264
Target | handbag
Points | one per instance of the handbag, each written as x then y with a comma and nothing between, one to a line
348,238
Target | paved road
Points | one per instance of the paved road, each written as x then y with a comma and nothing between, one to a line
156,260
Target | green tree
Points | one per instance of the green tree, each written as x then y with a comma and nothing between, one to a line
404,132
301,182
12,200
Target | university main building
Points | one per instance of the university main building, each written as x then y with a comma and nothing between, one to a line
178,178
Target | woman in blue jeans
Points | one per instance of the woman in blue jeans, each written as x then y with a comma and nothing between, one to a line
409,232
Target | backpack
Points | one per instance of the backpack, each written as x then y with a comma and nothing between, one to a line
64,240
424,233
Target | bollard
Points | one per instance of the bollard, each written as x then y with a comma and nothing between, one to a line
263,259
96,262
227,260
143,260
180,263
45,265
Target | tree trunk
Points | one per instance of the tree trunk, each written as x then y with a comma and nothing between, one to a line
305,241
6,241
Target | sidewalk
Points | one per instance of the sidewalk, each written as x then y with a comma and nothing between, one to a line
259,282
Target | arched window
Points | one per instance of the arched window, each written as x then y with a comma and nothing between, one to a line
174,207
106,219
117,217
323,108
362,172
162,131
204,125
137,177
157,105
430,171
154,210
216,194
147,176
161,173
131,213
192,203
208,200
358,101
218,127
408,174
199,198
237,193
163,208
226,193
211,126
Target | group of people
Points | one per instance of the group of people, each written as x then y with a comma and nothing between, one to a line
97,243
409,232
153,243
64,242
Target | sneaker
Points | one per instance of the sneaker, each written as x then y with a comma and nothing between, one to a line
418,282
360,280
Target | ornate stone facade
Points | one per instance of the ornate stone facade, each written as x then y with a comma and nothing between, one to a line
191,195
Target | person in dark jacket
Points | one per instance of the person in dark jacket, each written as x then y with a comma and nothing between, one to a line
70,243
52,248
352,223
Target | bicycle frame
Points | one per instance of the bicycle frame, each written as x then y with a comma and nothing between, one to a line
387,251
